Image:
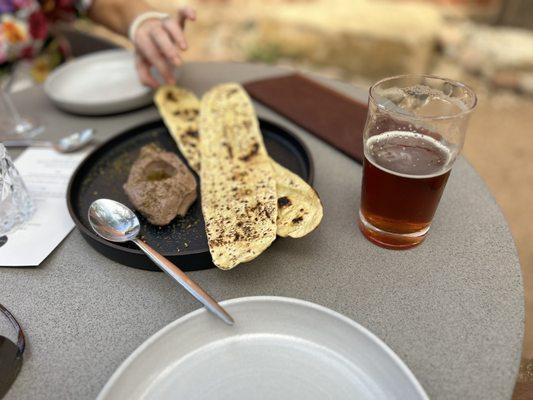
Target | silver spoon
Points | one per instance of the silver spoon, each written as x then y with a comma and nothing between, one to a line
68,144
117,223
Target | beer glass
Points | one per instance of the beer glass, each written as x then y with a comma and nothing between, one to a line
414,131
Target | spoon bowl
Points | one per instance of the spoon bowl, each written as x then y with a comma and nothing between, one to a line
75,141
115,222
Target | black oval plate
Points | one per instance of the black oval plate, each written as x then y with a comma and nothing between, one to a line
183,241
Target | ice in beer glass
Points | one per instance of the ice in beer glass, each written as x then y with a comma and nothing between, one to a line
414,131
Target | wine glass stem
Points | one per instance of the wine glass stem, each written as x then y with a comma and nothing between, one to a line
9,102
10,107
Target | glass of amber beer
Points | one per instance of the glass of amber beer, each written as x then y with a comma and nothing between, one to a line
414,131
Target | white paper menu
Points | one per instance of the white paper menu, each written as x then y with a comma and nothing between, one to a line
46,174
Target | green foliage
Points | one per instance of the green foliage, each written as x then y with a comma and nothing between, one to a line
264,52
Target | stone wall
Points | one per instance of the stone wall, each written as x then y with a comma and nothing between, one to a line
518,13
359,37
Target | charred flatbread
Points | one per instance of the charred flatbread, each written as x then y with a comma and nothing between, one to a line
236,178
299,207
180,109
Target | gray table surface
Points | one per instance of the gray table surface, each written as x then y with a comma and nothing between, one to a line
451,308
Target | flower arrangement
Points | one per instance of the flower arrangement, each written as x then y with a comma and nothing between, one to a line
24,29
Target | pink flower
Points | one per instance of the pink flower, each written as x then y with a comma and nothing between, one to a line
38,25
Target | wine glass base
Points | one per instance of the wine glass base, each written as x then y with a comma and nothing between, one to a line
390,240
27,128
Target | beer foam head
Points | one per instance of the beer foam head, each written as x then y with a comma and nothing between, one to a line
409,154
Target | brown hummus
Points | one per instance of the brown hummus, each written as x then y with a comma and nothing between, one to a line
160,186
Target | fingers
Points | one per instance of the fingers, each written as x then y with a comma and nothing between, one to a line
184,14
166,45
158,43
176,29
149,51
176,33
143,70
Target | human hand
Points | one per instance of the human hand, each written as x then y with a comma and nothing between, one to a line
158,43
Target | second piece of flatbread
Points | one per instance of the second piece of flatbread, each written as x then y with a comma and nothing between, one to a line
236,179
299,208
180,110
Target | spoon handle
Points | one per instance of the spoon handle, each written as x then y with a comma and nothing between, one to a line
27,143
179,276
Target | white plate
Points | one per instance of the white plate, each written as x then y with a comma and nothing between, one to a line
278,349
100,83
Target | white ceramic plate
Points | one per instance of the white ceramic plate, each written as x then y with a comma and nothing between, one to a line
279,348
100,83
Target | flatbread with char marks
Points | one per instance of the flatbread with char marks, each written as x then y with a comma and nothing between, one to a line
299,207
180,109
239,201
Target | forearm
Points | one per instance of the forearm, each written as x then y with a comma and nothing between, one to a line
117,15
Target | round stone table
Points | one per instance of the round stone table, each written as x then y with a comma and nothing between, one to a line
451,308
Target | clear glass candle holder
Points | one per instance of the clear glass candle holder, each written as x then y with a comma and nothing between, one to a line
16,206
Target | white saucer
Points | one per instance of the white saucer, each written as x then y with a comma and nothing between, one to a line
100,83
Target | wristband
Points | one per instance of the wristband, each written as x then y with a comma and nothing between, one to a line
138,21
